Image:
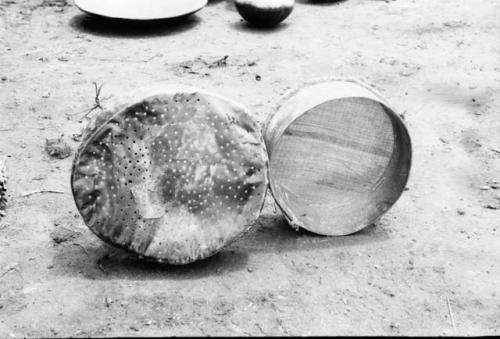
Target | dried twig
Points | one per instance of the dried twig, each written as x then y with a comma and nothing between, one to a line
99,263
97,102
222,62
260,328
27,194
83,248
127,60
15,128
3,186
451,314
12,268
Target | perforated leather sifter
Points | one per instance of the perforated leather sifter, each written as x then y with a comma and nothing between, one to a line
173,175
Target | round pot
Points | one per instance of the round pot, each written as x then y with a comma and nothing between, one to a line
140,9
264,13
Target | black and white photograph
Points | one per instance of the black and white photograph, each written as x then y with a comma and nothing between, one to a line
249,168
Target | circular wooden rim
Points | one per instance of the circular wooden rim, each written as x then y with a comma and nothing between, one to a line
401,133
291,92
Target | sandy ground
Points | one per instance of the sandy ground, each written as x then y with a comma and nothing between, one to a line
429,267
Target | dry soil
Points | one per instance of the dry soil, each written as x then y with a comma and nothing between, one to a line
430,266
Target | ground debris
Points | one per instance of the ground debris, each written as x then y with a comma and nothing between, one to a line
57,148
3,188
29,193
495,150
9,268
77,137
58,4
97,104
54,3
450,312
409,69
456,24
202,66
404,68
61,235
222,62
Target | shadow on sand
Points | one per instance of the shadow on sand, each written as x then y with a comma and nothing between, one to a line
94,259
109,27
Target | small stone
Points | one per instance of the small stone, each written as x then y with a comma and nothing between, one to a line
3,187
394,326
61,235
134,328
460,211
250,269
57,148
484,188
76,137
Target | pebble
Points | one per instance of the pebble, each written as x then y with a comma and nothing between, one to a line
57,148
